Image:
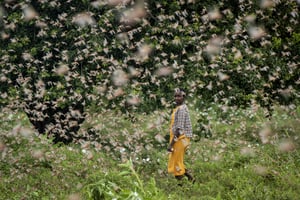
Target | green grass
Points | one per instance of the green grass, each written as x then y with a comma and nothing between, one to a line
128,159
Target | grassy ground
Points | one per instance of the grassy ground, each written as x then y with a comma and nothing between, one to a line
246,157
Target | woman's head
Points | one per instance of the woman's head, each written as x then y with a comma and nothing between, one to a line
179,96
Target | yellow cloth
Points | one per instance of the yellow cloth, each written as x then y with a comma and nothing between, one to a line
175,164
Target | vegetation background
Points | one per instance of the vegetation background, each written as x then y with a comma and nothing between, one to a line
86,92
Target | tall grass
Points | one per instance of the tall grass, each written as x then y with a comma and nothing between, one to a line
246,156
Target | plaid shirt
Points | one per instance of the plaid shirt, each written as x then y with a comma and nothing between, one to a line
182,121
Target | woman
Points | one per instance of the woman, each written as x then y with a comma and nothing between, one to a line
180,135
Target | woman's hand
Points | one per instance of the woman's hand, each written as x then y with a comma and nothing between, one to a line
170,148
176,132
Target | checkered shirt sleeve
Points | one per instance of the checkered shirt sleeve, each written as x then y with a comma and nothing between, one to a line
183,122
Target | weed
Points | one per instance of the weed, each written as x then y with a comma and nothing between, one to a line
241,160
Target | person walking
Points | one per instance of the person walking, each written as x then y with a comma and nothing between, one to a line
180,136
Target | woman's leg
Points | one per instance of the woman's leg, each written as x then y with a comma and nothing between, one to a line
189,176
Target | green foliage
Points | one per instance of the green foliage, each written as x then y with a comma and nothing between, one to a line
119,188
58,58
240,160
277,43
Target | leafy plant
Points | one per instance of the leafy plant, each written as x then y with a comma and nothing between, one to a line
59,59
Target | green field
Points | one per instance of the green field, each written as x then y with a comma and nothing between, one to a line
244,156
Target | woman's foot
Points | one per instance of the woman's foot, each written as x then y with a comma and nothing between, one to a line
190,177
179,178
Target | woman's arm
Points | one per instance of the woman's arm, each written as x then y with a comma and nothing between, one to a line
170,147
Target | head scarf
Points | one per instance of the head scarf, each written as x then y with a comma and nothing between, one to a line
181,91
